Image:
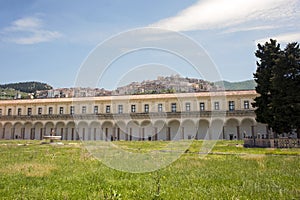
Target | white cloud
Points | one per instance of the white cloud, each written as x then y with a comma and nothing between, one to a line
29,22
209,14
282,38
28,30
254,28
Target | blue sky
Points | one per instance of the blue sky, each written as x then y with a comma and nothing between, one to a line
48,40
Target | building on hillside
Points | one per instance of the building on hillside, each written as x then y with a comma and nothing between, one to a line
204,115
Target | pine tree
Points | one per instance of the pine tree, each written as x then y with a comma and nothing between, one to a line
268,55
278,86
291,86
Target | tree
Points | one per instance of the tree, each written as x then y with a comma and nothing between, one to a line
278,80
268,55
286,86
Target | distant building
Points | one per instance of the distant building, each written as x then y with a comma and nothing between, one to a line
211,115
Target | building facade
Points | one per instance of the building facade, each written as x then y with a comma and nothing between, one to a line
205,115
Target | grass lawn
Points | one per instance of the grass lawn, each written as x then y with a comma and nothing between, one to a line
29,170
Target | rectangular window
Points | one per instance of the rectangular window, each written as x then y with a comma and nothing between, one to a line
61,110
83,109
39,111
72,110
107,109
217,106
133,108
95,109
146,108
9,112
120,109
231,105
246,104
202,106
188,107
160,107
29,111
173,107
19,111
50,110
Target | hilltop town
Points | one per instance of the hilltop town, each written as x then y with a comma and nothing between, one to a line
160,85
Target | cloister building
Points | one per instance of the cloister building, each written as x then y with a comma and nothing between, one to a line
210,115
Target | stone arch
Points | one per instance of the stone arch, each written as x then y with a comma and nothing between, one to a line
70,133
49,128
160,130
96,133
83,130
147,131
247,127
188,129
121,130
202,128
18,131
8,131
173,130
215,130
261,130
38,130
232,129
134,130
29,131
60,129
108,130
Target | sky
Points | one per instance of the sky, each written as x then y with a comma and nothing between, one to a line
52,40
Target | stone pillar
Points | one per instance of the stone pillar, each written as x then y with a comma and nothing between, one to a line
23,133
41,133
72,133
130,134
118,133
77,133
143,133
168,134
106,134
62,133
13,133
113,133
83,134
32,133
223,132
66,134
95,133
182,133
126,134
238,132
155,133
252,131
89,133
3,134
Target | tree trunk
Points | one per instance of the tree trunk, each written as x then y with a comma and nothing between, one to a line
298,133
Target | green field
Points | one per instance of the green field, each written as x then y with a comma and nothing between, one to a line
29,170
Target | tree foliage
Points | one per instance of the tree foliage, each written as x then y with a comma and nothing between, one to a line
28,87
278,85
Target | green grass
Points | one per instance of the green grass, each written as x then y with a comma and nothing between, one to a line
29,170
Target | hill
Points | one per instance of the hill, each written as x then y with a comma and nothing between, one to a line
27,87
12,94
242,85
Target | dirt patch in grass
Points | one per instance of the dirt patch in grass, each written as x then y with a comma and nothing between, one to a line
29,169
257,157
